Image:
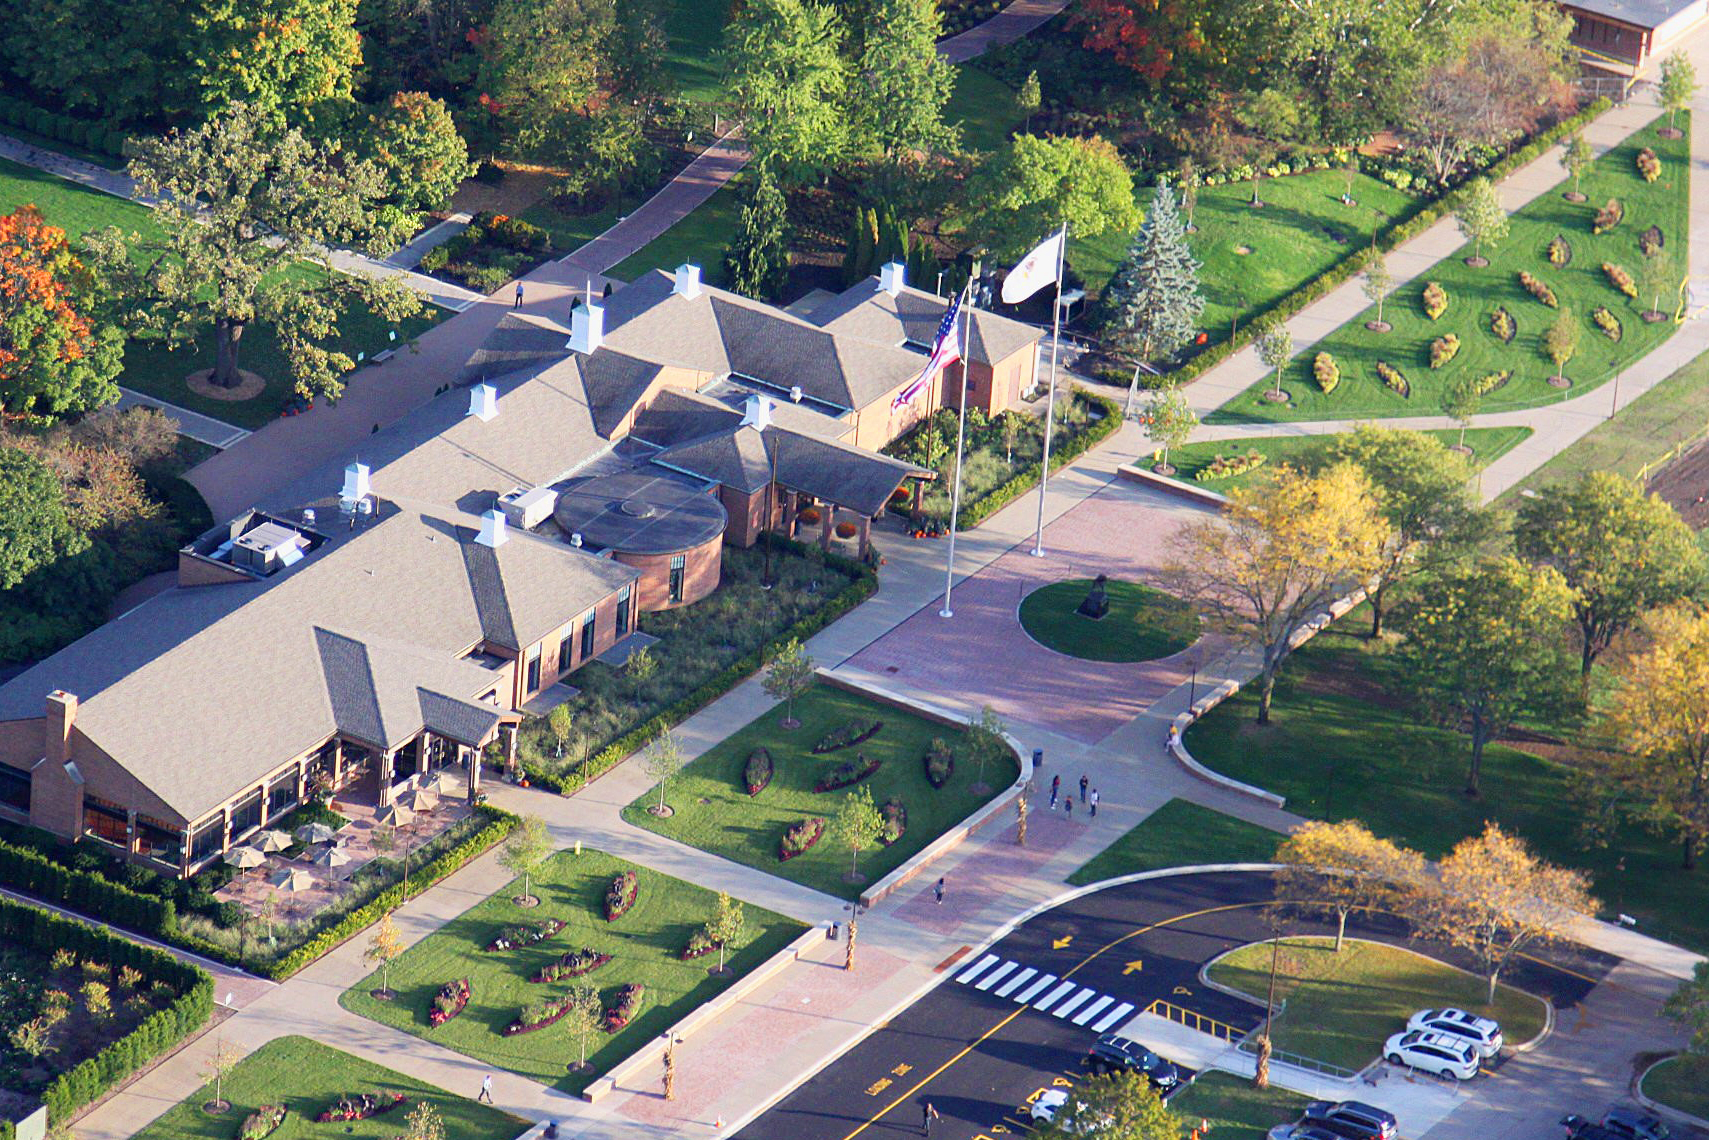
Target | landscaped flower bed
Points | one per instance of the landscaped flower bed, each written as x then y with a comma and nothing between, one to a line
847,735
798,837
572,964
1435,300
620,895
1443,349
940,762
757,772
1649,166
360,1106
1539,289
895,814
848,773
624,1006
263,1122
1502,325
1560,251
1608,217
1487,384
452,999
538,1015
699,943
1650,240
1228,466
1620,279
1393,377
1326,372
1607,322
525,934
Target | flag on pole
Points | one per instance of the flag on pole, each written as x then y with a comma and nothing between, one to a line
946,350
1034,271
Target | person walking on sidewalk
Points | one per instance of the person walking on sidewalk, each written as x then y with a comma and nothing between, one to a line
938,890
1092,803
1083,782
518,303
486,1089
927,1115
1055,786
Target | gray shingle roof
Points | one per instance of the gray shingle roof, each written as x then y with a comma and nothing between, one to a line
866,312
838,472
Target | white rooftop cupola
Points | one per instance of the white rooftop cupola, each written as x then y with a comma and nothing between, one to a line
687,280
756,412
892,275
483,402
356,486
587,325
492,533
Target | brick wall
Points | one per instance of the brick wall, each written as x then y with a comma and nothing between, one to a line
702,567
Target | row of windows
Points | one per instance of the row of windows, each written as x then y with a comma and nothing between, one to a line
14,788
587,631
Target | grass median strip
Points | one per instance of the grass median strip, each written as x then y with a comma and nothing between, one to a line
1180,834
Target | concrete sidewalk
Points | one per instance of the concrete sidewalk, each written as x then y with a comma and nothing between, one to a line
203,429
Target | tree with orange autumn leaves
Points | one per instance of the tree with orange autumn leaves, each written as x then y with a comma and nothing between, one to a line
54,360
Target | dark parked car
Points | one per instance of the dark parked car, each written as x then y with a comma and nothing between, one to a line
1113,1053
1353,1119
1579,1128
1621,1122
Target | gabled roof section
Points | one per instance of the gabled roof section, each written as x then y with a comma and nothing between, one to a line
866,312
838,472
614,384
677,415
462,721
486,584
516,342
736,458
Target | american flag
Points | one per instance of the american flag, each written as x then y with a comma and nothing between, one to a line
946,350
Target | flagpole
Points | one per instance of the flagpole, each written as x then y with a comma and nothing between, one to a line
966,347
1050,399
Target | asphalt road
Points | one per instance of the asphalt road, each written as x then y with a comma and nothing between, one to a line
979,1053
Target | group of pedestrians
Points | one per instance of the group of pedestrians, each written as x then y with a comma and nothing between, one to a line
1088,796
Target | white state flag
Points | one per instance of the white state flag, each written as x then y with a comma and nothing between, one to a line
1034,271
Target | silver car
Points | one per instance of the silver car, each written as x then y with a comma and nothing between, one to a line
1484,1034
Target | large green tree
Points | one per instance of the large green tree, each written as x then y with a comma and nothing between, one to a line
1040,183
757,259
1482,645
903,82
1120,1106
293,59
54,360
790,80
35,525
543,62
1621,551
414,142
246,212
1424,489
1153,302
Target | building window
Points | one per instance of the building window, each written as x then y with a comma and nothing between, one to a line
15,788
318,778
158,841
587,635
532,682
207,839
677,564
567,650
246,814
623,611
281,794
105,821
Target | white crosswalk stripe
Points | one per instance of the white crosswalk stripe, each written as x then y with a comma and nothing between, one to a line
1073,1003
1035,989
992,977
1043,1004
1024,985
976,969
1015,982
1114,1017
1091,1010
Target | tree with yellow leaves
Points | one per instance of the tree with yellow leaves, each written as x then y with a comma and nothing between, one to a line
1493,898
1338,868
384,948
1280,555
1658,716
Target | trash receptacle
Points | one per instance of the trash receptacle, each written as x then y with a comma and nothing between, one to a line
831,932
1038,759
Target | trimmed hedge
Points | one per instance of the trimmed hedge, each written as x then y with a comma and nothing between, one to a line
500,823
863,585
35,874
1398,233
45,931
1026,478
82,133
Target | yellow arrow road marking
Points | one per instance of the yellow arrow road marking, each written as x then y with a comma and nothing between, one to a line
1062,943
1133,967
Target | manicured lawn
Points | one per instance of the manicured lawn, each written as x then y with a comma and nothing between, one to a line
1142,624
645,945
701,238
1344,744
149,366
1342,1007
1474,294
715,813
1307,451
1292,239
1180,834
1236,1110
983,106
695,31
1681,1083
307,1078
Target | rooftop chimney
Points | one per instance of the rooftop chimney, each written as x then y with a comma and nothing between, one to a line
492,530
483,402
587,327
355,484
61,714
756,412
687,280
892,275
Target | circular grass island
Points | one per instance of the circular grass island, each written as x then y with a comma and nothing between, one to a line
1142,624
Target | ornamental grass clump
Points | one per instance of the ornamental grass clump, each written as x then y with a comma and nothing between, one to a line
1326,372
1649,165
1443,349
1393,378
1620,279
1538,289
1435,300
1608,217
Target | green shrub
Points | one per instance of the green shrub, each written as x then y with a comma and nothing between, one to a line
940,762
1326,372
32,873
1649,166
435,259
1435,300
480,278
1443,349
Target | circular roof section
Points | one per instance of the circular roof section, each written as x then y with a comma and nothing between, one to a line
639,511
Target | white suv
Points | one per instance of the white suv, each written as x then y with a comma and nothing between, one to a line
1433,1053
1483,1033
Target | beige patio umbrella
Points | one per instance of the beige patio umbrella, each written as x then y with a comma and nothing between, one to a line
292,880
244,858
421,800
442,784
316,833
395,816
270,841
330,857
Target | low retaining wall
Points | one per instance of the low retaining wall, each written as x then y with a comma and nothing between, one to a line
648,1055
958,834
1172,486
1177,744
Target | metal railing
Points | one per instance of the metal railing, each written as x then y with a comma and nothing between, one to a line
1193,1020
1248,1044
1672,454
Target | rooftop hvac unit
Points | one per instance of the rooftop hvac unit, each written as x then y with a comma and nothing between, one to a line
528,507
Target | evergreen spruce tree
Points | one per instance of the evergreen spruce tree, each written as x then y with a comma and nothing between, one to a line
851,249
1153,301
892,239
867,247
757,260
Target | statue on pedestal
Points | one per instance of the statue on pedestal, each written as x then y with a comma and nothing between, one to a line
1097,602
